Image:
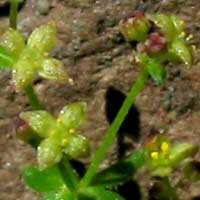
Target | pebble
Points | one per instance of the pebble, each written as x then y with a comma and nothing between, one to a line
43,6
3,2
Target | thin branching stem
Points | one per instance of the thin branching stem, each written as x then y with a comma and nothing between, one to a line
13,13
111,133
33,99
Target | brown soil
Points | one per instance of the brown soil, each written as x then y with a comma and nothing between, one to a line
97,58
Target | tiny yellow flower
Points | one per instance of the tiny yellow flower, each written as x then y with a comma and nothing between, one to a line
165,147
155,155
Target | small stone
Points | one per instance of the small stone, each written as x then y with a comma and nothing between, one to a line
43,6
3,2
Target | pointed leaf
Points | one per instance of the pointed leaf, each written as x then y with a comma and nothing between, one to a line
40,121
13,42
49,152
43,180
121,171
53,69
23,75
154,68
25,69
43,38
182,51
179,25
73,115
6,60
181,151
98,193
164,22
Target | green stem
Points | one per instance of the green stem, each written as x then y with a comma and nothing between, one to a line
110,135
69,174
33,99
13,13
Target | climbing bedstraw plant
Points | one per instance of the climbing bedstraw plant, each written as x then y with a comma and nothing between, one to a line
160,39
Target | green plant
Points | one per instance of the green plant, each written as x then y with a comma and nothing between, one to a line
58,140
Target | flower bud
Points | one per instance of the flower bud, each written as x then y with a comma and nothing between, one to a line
136,27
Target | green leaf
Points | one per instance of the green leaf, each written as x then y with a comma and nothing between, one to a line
43,180
25,68
98,193
73,115
165,23
49,152
157,72
53,69
121,171
6,60
59,195
69,174
78,147
22,75
179,25
181,151
13,42
182,51
43,38
40,121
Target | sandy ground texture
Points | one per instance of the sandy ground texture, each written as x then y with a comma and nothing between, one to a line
97,59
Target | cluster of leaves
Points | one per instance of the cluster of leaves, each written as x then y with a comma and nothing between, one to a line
28,60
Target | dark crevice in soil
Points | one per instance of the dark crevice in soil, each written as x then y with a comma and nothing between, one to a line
130,190
131,125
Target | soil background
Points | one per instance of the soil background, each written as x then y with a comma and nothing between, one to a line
99,61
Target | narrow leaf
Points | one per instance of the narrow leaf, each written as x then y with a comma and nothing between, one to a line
122,171
6,60
155,69
166,25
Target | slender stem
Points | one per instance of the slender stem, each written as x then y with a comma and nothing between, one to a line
13,13
69,174
33,99
111,133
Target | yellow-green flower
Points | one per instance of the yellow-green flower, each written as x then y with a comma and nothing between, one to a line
32,58
163,156
59,136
